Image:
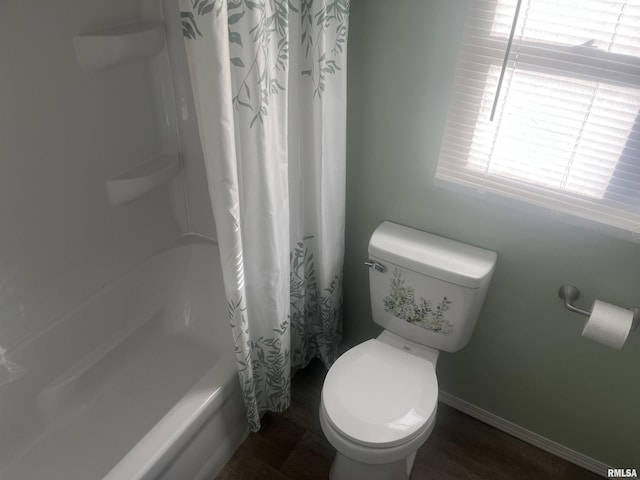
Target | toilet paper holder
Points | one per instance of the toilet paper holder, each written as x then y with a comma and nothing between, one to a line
569,294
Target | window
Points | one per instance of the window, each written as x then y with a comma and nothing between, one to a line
563,83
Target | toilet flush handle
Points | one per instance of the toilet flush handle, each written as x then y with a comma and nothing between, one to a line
376,266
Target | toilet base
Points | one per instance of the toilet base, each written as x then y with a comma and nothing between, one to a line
344,468
393,463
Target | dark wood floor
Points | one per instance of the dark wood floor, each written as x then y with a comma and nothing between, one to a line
291,446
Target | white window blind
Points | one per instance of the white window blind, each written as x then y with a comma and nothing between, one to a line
566,129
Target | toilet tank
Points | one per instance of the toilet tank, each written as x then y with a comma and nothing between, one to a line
427,288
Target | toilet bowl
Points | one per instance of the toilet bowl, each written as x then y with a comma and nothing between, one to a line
378,407
379,399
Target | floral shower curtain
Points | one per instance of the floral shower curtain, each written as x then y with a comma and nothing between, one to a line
269,80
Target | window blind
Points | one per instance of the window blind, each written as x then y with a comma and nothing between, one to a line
566,129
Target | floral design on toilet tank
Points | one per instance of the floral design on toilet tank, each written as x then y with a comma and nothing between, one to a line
401,303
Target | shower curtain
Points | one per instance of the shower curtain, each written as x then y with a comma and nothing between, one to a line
269,81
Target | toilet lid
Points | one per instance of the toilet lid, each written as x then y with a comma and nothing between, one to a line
381,396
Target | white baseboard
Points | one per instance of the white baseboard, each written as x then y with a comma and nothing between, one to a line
525,435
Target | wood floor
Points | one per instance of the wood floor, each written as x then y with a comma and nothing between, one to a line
291,446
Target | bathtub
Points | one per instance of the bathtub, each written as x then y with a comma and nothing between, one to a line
138,382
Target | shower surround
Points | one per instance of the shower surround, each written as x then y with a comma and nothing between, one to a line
104,347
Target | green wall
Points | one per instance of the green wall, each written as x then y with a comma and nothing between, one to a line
526,362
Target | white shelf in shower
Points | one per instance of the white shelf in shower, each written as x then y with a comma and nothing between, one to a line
143,178
117,45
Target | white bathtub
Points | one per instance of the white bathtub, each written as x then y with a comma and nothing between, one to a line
139,382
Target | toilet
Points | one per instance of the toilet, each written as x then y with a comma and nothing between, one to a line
379,398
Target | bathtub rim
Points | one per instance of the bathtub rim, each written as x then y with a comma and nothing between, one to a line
155,450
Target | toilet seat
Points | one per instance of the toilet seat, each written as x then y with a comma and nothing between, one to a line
379,396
